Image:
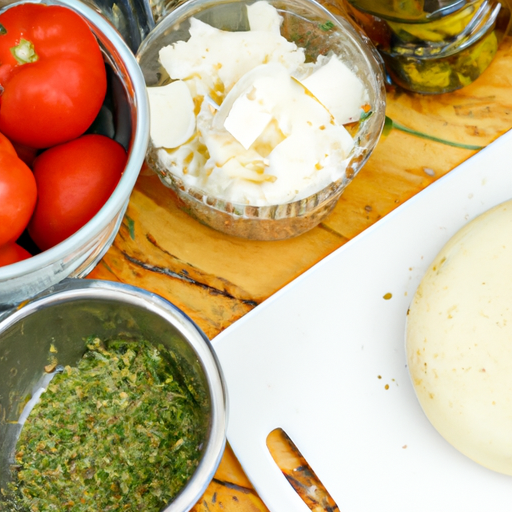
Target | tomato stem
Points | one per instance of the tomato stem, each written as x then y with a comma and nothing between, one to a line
24,52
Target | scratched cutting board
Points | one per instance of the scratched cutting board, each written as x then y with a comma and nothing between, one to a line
308,360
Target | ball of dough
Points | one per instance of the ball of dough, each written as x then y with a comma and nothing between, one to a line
459,340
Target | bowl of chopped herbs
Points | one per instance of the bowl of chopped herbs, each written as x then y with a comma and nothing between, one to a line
111,399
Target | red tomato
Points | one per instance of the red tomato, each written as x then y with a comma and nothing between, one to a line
12,253
74,180
52,74
18,194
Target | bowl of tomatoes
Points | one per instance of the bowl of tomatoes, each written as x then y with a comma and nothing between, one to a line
74,129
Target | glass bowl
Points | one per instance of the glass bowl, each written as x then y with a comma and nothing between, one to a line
78,254
57,322
319,32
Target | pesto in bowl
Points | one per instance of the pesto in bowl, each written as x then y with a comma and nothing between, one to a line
121,430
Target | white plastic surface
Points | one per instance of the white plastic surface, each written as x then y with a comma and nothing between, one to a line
315,357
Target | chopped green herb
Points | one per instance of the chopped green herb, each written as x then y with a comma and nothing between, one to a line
365,115
121,431
131,227
328,25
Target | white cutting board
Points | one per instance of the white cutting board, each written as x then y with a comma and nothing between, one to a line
308,360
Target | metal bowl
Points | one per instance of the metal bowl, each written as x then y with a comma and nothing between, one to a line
75,309
78,254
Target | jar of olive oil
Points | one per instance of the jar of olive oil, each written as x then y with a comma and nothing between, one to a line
433,46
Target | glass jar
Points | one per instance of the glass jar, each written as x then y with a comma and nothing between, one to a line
433,46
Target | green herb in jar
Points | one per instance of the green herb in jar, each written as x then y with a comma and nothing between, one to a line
121,431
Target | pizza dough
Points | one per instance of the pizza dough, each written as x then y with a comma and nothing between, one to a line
459,340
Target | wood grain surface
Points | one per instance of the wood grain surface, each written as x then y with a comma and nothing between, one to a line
216,279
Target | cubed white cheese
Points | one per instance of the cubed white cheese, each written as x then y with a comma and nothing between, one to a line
246,120
262,16
172,118
204,54
339,89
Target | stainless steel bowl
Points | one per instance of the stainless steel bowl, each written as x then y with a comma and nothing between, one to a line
77,255
75,309
132,18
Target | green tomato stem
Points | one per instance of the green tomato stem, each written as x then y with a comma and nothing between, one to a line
24,52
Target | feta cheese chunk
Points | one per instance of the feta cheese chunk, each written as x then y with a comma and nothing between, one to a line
172,118
262,16
339,89
221,58
247,120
